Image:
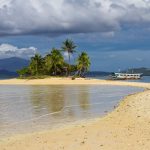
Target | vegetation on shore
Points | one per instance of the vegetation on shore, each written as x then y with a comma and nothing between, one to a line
54,64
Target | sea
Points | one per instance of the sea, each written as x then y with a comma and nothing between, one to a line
144,79
27,109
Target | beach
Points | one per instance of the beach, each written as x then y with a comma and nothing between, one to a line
69,81
127,127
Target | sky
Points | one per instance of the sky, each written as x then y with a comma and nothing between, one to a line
115,33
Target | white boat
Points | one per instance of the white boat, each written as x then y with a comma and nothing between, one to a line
126,76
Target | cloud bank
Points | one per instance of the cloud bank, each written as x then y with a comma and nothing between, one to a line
55,17
7,50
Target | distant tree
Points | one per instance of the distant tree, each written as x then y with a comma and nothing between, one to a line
57,61
83,63
69,47
36,65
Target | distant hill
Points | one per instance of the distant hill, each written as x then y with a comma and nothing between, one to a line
145,71
13,64
7,74
97,73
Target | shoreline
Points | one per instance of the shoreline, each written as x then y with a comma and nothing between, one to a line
126,127
69,81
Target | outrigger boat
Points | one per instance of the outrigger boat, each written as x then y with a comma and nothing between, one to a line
125,76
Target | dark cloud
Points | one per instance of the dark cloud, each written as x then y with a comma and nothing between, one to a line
57,17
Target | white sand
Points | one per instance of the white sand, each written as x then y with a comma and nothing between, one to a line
68,81
126,128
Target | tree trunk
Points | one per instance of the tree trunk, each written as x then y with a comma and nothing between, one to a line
69,64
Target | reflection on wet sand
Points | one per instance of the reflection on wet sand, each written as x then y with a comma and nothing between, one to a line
52,100
59,101
42,107
84,97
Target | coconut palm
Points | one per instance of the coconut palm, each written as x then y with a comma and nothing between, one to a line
69,47
53,63
47,64
36,65
24,72
83,63
57,61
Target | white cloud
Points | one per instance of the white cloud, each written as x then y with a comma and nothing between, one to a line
71,16
7,50
66,56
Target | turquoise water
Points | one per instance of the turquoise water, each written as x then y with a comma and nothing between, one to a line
35,108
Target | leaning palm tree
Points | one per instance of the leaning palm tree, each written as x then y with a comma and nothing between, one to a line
83,63
69,47
57,61
36,65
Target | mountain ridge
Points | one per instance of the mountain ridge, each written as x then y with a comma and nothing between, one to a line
13,64
144,70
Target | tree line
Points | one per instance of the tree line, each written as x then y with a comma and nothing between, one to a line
54,64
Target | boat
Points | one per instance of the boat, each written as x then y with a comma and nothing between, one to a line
125,76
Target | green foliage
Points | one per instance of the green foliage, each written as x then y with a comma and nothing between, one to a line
36,65
53,64
47,64
57,61
69,47
83,63
24,72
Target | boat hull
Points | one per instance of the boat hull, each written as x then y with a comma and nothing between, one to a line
125,76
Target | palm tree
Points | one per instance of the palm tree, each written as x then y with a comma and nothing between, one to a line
47,64
57,61
24,72
36,65
69,47
83,63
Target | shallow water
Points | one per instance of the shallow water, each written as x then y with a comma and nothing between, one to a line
34,108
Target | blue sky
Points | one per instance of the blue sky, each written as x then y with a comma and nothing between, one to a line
115,33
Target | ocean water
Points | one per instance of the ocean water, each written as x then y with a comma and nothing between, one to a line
144,79
26,109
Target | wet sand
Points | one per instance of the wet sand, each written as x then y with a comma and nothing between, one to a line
126,128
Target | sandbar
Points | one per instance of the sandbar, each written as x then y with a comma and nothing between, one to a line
126,128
